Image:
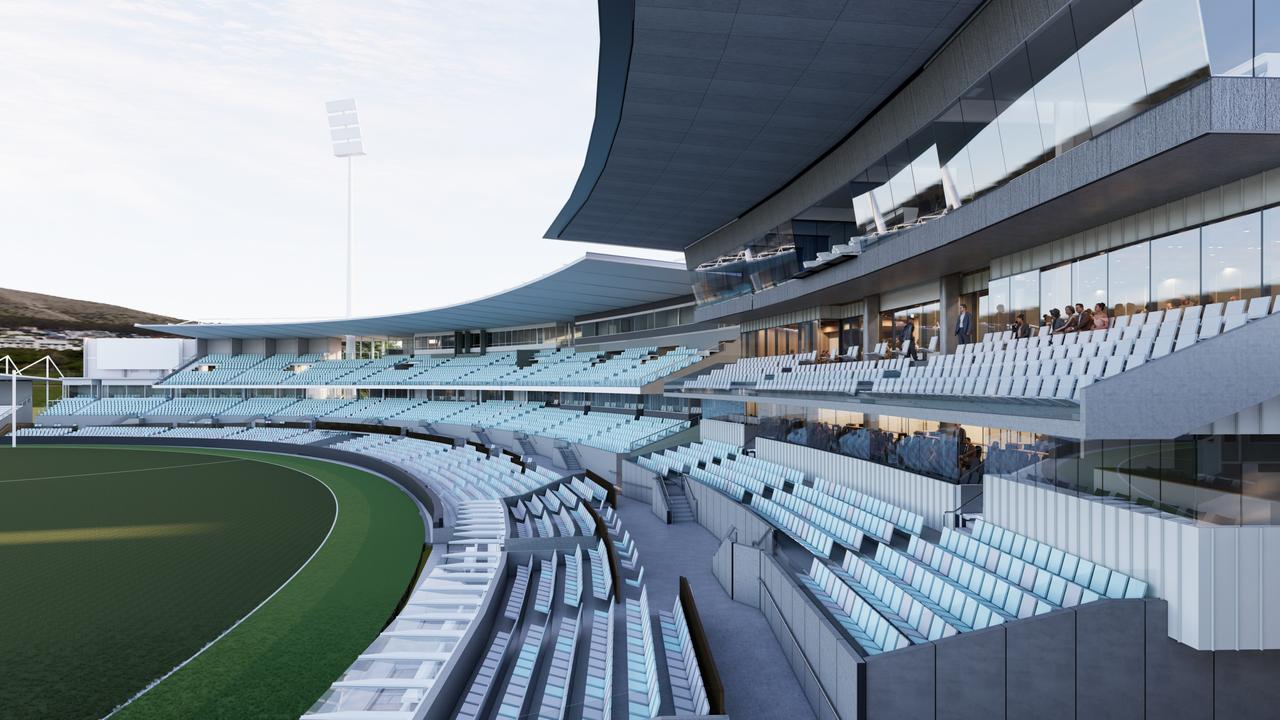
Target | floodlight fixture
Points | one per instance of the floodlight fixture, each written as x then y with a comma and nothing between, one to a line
344,133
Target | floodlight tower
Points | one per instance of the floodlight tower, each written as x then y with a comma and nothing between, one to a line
344,131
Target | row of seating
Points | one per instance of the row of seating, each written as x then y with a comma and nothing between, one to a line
513,700
873,632
994,366
555,688
565,367
546,584
1013,548
394,675
598,701
457,474
883,595
614,432
573,577
601,577
261,434
643,696
689,693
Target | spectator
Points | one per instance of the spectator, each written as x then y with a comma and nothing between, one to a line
907,336
1085,323
1055,320
1020,328
964,326
1100,319
1071,321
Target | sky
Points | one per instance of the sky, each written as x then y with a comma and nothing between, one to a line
174,157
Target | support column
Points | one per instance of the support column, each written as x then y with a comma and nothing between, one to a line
870,322
484,340
949,310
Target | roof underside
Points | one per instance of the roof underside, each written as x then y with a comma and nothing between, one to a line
706,107
593,284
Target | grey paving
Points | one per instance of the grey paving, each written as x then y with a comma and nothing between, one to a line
757,678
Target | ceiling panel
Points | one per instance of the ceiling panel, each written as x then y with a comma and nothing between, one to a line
707,107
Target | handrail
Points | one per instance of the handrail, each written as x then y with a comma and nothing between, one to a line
650,439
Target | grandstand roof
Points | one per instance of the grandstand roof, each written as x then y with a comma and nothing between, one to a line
592,284
704,109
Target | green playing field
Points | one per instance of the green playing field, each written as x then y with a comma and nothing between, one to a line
119,564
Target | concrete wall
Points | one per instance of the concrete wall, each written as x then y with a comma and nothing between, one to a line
1222,583
827,667
722,515
920,494
637,482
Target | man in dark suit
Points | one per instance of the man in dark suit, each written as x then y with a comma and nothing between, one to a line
907,337
964,326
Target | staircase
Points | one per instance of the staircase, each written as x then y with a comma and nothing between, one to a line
526,445
570,458
677,502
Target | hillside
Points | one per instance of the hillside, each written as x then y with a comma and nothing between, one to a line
19,308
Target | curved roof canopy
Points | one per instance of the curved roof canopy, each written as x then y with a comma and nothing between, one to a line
594,283
706,107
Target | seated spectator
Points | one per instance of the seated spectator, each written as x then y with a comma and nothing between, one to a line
1071,321
1086,320
1020,328
1100,319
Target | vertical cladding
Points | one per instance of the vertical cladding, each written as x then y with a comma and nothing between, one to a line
1221,582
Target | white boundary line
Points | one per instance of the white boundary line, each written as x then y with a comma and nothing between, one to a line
121,472
325,541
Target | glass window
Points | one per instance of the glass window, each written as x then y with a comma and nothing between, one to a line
1024,296
1089,281
928,177
1228,32
1172,45
902,186
1271,250
1019,124
953,135
1266,38
985,153
1128,277
1059,93
1112,70
1055,288
1231,258
996,318
1175,270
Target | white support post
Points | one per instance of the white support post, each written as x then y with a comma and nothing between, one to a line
13,410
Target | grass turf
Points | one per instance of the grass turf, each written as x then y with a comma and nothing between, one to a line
104,618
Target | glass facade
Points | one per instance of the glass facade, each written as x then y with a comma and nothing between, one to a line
1092,66
781,340
940,450
926,319
655,320
1219,479
1236,258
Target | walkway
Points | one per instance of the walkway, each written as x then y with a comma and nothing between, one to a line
758,682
